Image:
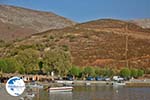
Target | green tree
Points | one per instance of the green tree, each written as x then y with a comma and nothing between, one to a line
108,72
21,70
9,65
58,61
3,65
100,71
126,73
40,65
75,71
28,58
134,73
89,71
140,72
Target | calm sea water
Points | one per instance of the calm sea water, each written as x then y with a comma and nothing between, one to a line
98,93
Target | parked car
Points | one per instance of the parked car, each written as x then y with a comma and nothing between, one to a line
106,79
118,78
90,78
98,78
70,78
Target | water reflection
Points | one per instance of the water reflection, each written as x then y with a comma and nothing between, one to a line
98,93
60,96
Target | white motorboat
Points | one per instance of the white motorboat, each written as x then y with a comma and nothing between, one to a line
64,82
61,89
87,84
119,83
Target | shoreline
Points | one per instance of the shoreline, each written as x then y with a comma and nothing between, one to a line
131,83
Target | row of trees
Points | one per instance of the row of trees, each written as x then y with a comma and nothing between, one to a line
128,73
30,61
77,72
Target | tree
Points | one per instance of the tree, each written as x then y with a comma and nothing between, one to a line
28,58
89,71
108,72
134,73
99,71
21,70
75,71
40,65
9,65
3,65
58,61
126,73
140,72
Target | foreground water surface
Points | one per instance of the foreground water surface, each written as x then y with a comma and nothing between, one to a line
98,93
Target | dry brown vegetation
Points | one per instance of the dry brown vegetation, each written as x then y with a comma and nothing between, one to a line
17,23
97,43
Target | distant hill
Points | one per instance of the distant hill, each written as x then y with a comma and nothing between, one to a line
104,42
113,24
16,22
145,23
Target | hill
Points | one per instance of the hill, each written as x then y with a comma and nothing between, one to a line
16,22
104,42
145,23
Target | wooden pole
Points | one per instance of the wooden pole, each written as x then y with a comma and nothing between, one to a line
126,52
126,47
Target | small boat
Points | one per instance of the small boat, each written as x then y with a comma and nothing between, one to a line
61,89
36,86
119,83
64,82
87,84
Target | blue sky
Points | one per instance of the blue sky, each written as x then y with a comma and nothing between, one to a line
86,10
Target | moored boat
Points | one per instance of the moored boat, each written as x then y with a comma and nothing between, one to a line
61,89
87,84
119,83
35,85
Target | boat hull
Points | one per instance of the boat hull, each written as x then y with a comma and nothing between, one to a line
60,89
119,84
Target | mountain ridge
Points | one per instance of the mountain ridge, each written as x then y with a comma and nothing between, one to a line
32,21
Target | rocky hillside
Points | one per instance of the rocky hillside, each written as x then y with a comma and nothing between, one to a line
16,22
104,42
145,23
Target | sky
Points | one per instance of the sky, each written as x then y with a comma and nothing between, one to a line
86,10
